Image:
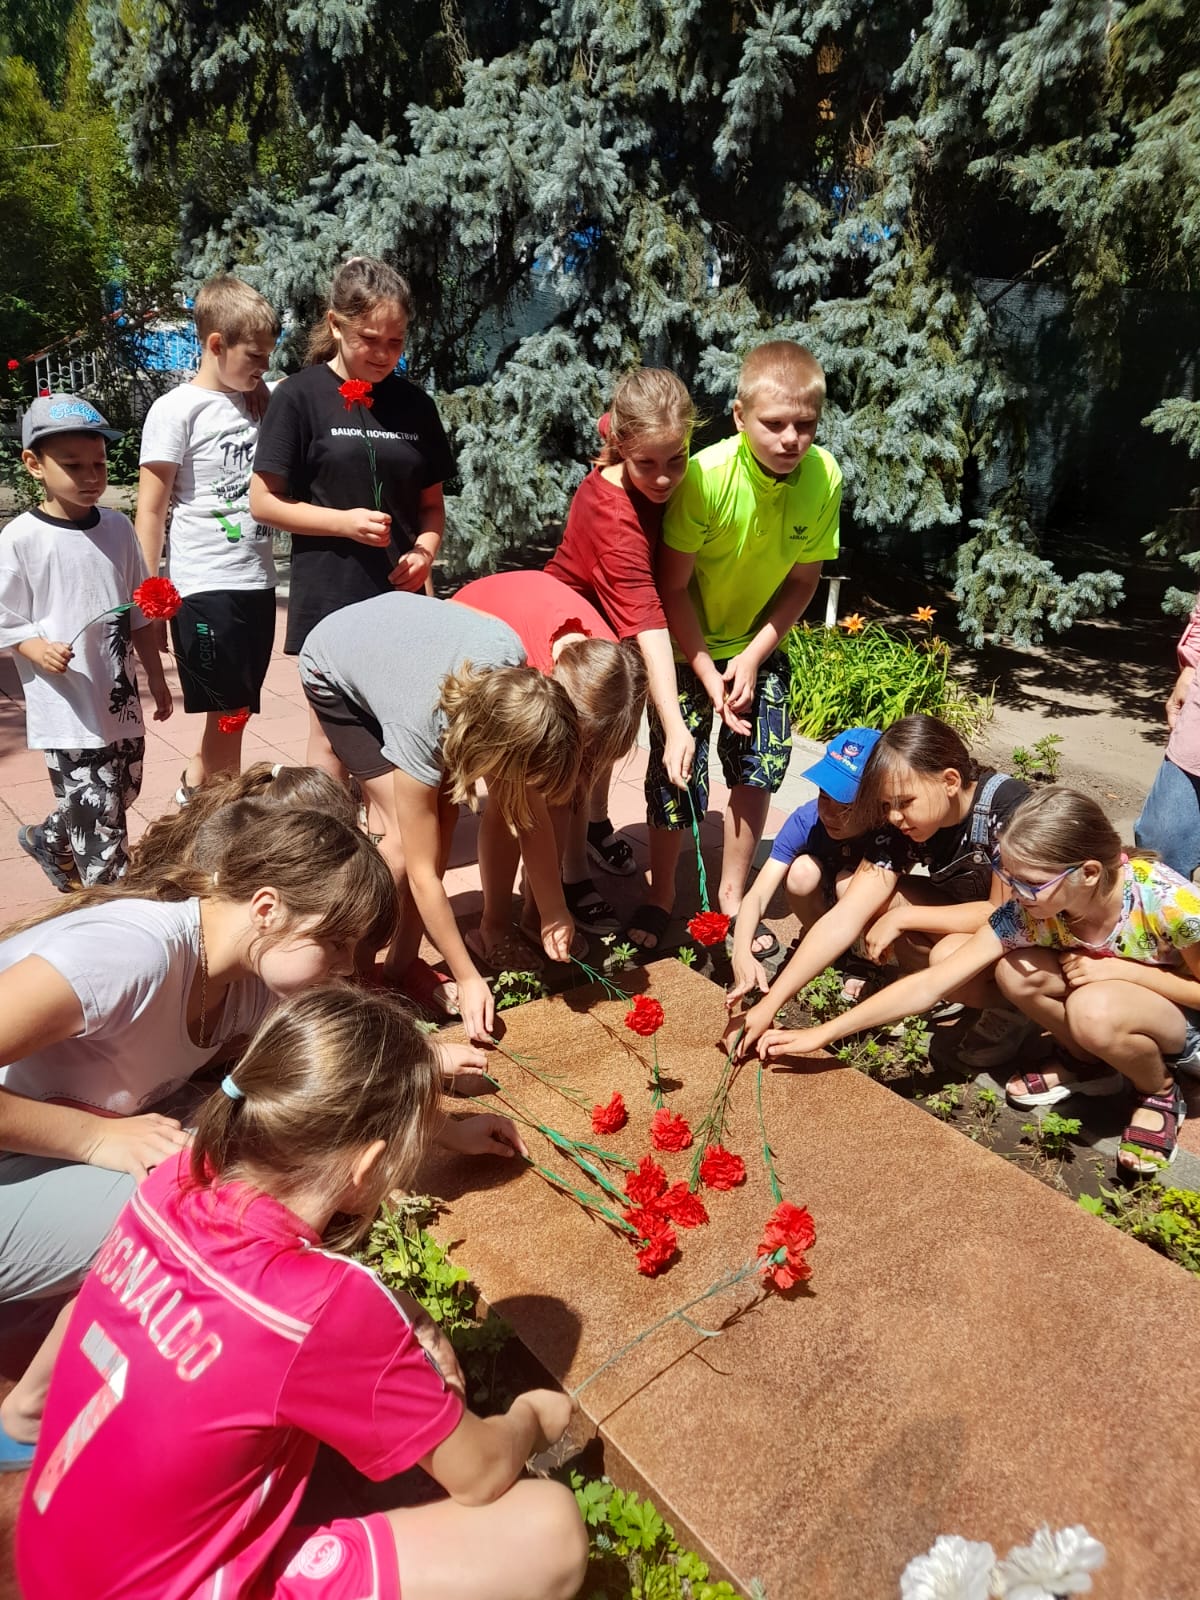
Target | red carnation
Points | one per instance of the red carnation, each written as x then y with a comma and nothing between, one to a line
669,1131
686,1210
233,721
721,1169
709,927
356,392
13,365
658,1244
157,599
610,1118
789,1228
645,1016
647,1183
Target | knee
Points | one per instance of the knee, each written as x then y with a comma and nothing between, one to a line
804,876
1095,1017
558,1533
1018,977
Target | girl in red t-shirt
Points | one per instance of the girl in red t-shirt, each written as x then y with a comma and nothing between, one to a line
607,554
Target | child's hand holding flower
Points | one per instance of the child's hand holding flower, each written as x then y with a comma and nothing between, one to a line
48,655
363,526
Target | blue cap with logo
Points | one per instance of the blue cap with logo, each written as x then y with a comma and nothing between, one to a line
841,767
61,413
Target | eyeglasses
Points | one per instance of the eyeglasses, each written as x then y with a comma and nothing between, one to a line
1030,891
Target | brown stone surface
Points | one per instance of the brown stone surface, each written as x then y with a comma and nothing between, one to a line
974,1354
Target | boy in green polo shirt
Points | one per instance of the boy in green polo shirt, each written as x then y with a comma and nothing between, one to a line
740,556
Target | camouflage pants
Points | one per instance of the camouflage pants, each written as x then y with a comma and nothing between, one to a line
94,789
757,761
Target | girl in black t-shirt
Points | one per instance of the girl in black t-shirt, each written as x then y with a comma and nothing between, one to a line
350,461
933,807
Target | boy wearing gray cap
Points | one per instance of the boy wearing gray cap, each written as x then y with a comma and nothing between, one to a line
67,575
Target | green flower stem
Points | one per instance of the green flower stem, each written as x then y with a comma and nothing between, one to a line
700,872
113,611
768,1154
587,1201
657,1097
376,486
593,976
571,1148
551,1081
711,1129
730,1280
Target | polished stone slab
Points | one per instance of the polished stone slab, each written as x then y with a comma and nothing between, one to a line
974,1353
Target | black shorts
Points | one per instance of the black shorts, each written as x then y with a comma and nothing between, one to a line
353,733
222,640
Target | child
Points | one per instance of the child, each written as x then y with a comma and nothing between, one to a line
109,1008
420,700
1170,820
197,447
566,637
357,483
743,542
813,854
1100,951
937,810
216,1343
607,554
64,571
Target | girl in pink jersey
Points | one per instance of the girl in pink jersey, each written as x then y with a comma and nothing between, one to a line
218,1340
113,1001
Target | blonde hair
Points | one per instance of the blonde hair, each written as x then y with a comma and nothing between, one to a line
648,403
515,728
320,867
171,840
327,1074
227,306
359,285
606,683
1058,827
785,369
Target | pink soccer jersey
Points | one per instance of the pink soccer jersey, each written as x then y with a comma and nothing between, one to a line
211,1347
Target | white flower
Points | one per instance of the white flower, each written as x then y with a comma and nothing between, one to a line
1054,1564
955,1569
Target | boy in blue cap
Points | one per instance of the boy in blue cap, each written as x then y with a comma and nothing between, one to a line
812,853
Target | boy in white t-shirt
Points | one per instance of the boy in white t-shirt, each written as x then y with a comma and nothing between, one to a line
67,575
198,446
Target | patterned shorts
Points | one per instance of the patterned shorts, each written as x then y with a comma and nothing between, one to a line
759,761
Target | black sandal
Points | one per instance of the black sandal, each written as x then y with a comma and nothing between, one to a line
652,920
607,850
589,907
761,932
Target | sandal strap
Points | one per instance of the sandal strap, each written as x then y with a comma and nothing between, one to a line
1035,1083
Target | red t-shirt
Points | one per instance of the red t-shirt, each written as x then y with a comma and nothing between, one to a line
539,610
212,1345
607,553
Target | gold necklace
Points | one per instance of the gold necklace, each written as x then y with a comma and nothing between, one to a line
203,1030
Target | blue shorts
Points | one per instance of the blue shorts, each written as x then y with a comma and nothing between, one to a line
1188,1059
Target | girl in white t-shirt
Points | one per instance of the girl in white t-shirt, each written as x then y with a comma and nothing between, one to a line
244,1341
108,1008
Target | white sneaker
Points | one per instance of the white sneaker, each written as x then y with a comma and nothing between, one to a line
996,1038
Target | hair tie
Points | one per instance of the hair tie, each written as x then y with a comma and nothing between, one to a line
231,1089
1124,859
277,769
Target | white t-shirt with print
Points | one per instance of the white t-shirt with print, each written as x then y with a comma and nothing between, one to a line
59,579
131,963
213,541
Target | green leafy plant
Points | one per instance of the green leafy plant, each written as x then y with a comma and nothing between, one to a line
635,1552
986,1113
1052,1135
912,1041
822,996
686,955
1040,762
872,677
620,956
1168,1220
515,988
946,1103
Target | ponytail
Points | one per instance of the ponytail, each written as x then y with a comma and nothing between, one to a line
359,285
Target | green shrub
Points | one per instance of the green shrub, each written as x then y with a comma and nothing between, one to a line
871,678
1166,1219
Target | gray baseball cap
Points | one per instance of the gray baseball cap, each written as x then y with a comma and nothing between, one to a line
62,413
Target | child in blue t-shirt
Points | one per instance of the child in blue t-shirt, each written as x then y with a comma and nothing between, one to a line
812,853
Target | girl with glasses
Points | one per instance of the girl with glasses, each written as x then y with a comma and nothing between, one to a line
1099,951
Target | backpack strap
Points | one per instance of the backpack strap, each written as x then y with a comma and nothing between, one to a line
982,809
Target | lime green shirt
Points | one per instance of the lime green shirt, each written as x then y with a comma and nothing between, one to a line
748,529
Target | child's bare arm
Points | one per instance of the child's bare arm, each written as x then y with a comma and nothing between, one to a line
963,917
50,655
791,600
412,569
680,748
146,644
675,568
748,972
156,481
485,1456
1181,988
271,504
539,852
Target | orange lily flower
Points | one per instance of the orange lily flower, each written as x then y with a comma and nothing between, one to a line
853,623
924,614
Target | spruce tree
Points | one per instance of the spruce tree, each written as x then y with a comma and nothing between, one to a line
681,179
